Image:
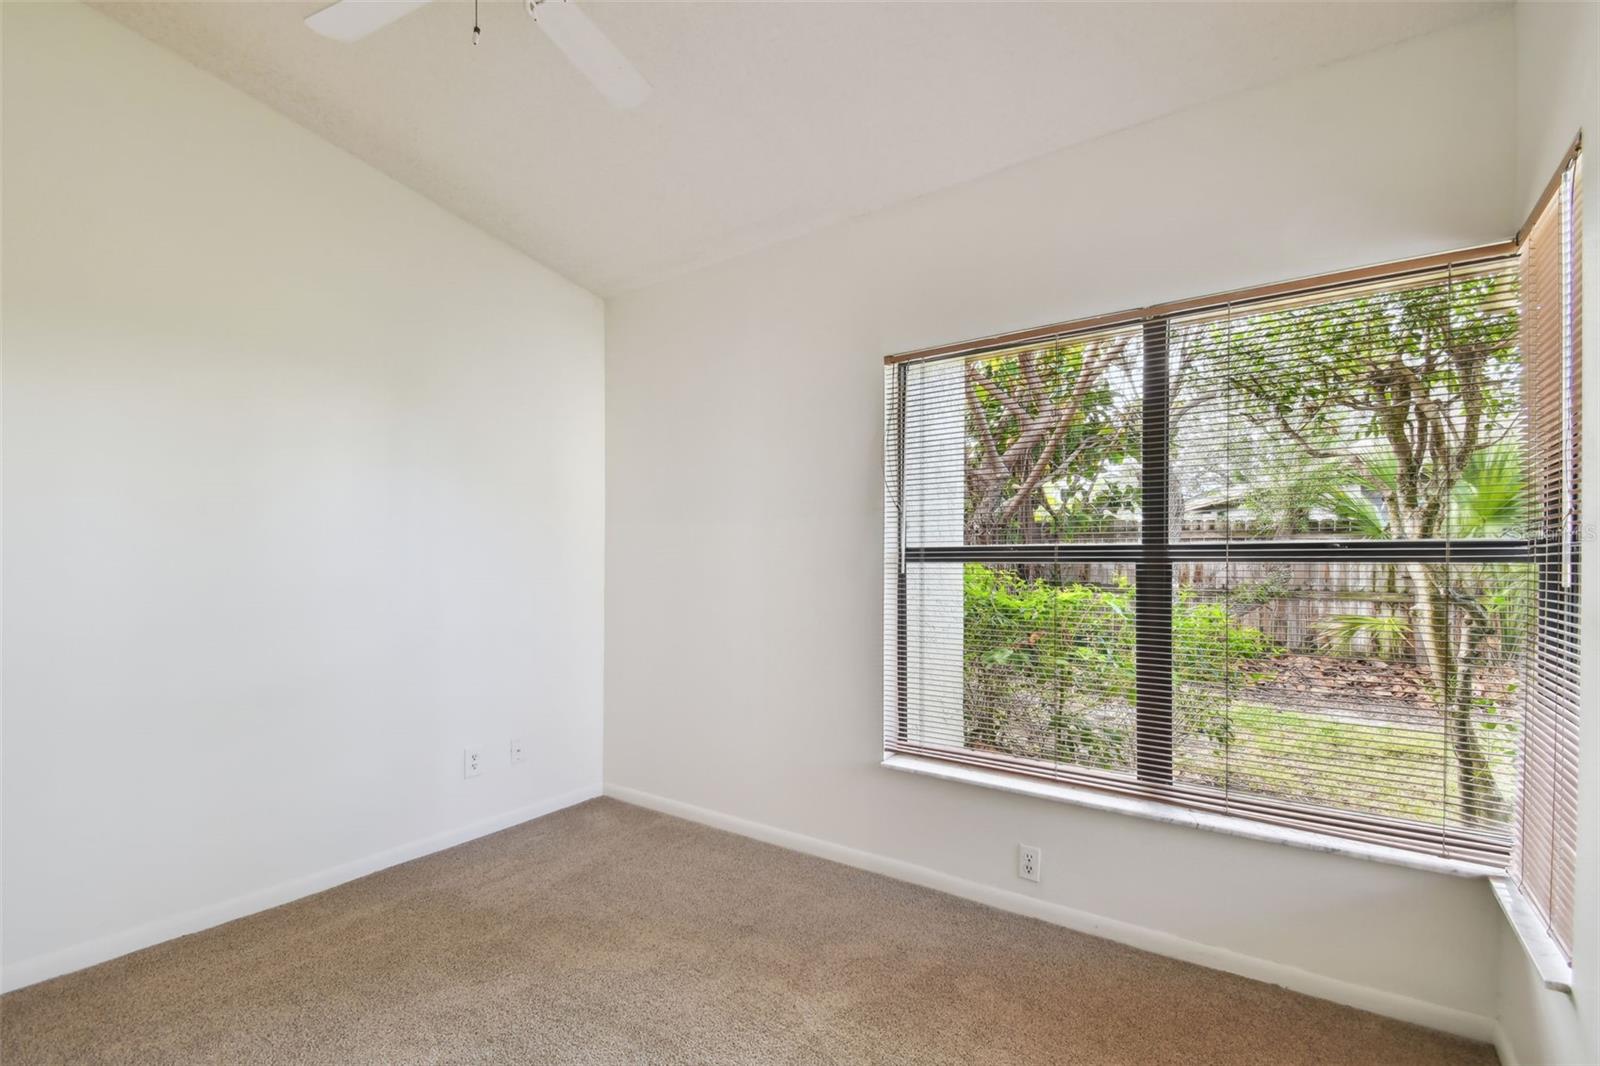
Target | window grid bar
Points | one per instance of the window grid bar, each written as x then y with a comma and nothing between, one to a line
1377,551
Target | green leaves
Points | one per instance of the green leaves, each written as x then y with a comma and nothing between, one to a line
1067,652
1396,412
1052,440
1387,633
1490,500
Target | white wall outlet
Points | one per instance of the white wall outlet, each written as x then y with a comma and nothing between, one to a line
1030,860
471,762
519,751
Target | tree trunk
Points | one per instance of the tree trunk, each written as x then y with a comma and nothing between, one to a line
1453,677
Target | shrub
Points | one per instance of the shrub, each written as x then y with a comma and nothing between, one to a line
1059,660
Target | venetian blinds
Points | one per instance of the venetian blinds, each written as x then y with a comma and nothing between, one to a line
1546,853
1269,557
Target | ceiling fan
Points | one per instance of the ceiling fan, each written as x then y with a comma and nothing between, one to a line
568,28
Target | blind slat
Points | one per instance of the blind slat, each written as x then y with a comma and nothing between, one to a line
1546,851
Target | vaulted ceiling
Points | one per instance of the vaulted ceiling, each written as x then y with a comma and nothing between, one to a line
767,119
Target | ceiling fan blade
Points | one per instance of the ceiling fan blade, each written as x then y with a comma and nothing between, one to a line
351,20
591,51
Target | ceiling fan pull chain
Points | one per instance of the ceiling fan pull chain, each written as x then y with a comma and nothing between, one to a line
475,30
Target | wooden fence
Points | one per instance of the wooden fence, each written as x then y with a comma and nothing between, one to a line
1293,603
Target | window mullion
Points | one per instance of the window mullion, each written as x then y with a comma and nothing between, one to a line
1153,573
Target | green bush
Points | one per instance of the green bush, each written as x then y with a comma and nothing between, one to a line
1062,656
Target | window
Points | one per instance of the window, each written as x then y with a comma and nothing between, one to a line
1546,851
1303,555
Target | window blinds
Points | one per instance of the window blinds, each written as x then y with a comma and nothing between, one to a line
1269,557
1546,853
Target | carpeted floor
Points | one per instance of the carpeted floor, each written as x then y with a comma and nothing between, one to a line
610,934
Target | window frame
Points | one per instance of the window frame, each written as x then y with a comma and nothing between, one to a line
1154,558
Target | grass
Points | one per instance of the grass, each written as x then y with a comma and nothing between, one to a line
1381,768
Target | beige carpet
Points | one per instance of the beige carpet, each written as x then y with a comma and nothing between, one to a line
610,934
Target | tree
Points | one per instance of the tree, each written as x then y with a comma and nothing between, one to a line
1045,426
1408,402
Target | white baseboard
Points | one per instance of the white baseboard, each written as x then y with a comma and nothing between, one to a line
1378,1001
1503,1048
90,952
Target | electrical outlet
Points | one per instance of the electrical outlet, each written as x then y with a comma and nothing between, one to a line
471,762
1029,861
519,751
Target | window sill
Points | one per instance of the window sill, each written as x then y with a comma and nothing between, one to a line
1172,814
1546,955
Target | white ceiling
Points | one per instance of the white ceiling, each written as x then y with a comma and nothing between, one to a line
767,119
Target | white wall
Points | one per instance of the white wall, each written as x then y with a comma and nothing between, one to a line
304,494
1558,93
744,435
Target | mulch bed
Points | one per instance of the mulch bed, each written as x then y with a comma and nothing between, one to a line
1376,686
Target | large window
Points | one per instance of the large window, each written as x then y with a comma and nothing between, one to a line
1305,555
